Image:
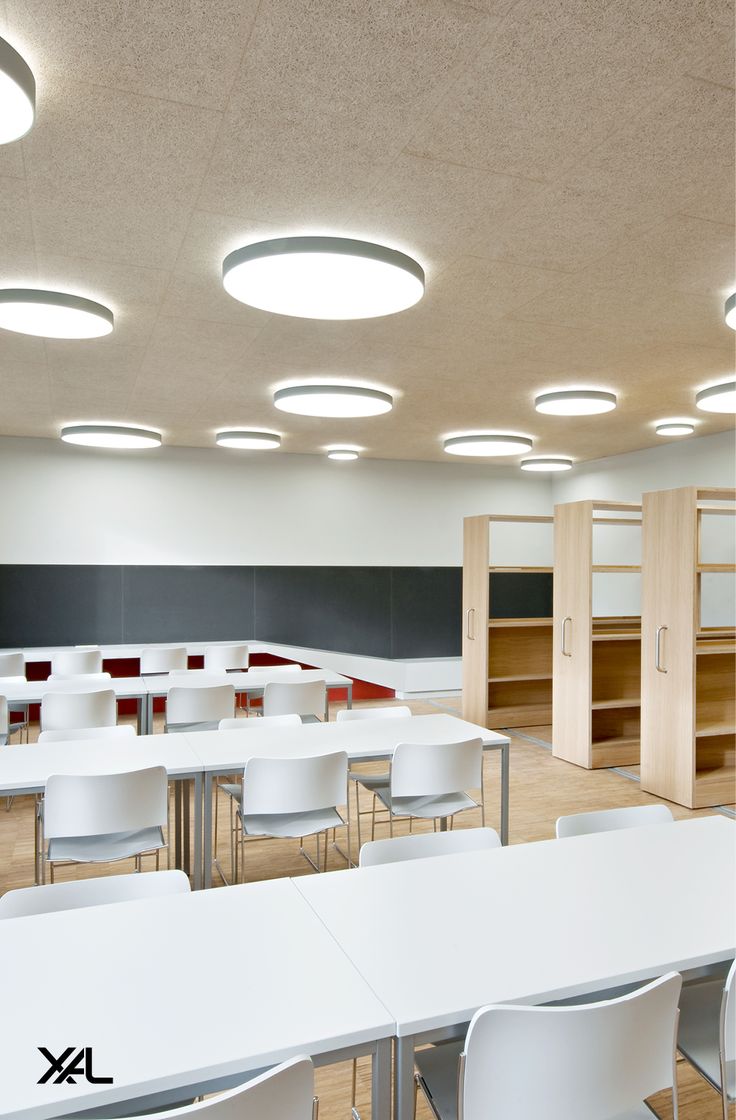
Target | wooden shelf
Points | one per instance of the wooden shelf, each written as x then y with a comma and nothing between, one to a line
521,677
727,568
715,647
513,623
619,751
616,636
621,702
616,568
710,730
510,568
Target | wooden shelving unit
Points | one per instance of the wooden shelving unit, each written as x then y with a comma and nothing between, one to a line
507,662
596,660
688,671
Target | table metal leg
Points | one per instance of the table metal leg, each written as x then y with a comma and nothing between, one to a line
197,832
381,1081
149,715
505,758
140,714
187,826
177,824
207,831
404,1078
350,694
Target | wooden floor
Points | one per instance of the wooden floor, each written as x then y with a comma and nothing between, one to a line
542,788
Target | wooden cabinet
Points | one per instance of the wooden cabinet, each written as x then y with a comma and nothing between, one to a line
688,671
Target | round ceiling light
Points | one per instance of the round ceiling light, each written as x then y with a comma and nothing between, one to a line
675,428
487,444
342,454
17,94
575,402
730,311
53,314
323,278
332,400
248,441
110,436
550,464
719,398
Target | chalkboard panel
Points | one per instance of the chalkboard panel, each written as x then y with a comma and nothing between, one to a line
520,595
59,605
426,604
177,604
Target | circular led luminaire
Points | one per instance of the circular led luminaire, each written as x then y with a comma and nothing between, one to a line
575,402
719,398
110,436
342,454
730,311
674,428
248,441
17,94
323,278
53,314
332,400
485,445
550,464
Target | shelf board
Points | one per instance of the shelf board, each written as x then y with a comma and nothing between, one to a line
622,750
513,623
521,518
728,568
616,635
620,702
729,511
716,632
615,568
521,677
715,647
518,568
712,729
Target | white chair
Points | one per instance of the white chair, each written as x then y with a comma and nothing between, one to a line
161,659
252,703
52,897
61,710
83,678
707,1031
608,820
424,845
307,699
74,662
199,708
102,818
120,731
598,1061
225,658
370,781
293,797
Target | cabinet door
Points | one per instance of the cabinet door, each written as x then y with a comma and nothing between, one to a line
669,625
475,619
571,658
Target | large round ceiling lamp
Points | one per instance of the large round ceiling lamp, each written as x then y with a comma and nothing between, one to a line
730,311
248,441
719,398
553,463
675,428
342,454
110,436
575,402
332,400
323,278
53,314
487,444
17,94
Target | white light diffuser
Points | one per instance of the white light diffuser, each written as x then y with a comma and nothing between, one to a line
323,278
342,454
53,314
575,402
550,464
674,428
17,94
111,436
730,311
332,400
248,441
487,444
719,398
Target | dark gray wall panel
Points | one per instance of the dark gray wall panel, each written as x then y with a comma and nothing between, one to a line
59,605
426,605
175,604
521,595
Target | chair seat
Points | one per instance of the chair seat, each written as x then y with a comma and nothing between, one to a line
440,805
291,824
105,848
232,789
698,1031
370,781
201,725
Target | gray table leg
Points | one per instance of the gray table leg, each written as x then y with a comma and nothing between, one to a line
149,715
350,694
197,832
404,1078
177,824
505,758
381,1081
187,864
207,832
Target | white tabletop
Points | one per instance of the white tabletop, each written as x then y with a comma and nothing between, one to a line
127,980
159,684
360,739
27,692
438,938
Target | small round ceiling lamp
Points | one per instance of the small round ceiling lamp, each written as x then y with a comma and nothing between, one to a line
718,398
575,402
248,440
674,428
342,454
730,311
110,436
487,444
17,94
323,278
553,463
53,314
332,400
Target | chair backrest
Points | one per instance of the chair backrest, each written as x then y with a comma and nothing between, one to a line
4,716
119,731
73,662
267,721
77,894
347,715
160,659
200,704
12,665
608,820
428,769
83,678
424,844
225,657
93,804
294,785
301,698
96,708
593,1060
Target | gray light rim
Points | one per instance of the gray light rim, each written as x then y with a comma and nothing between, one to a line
110,429
730,304
547,460
57,299
715,391
660,429
250,433
338,390
15,66
495,438
576,394
347,246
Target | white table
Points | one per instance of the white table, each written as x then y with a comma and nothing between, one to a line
25,769
286,988
226,752
32,692
438,938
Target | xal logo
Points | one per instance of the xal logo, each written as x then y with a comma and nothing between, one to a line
68,1067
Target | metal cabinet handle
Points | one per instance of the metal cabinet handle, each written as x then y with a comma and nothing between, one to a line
658,649
468,630
566,619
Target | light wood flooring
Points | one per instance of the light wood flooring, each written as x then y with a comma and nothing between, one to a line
541,789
